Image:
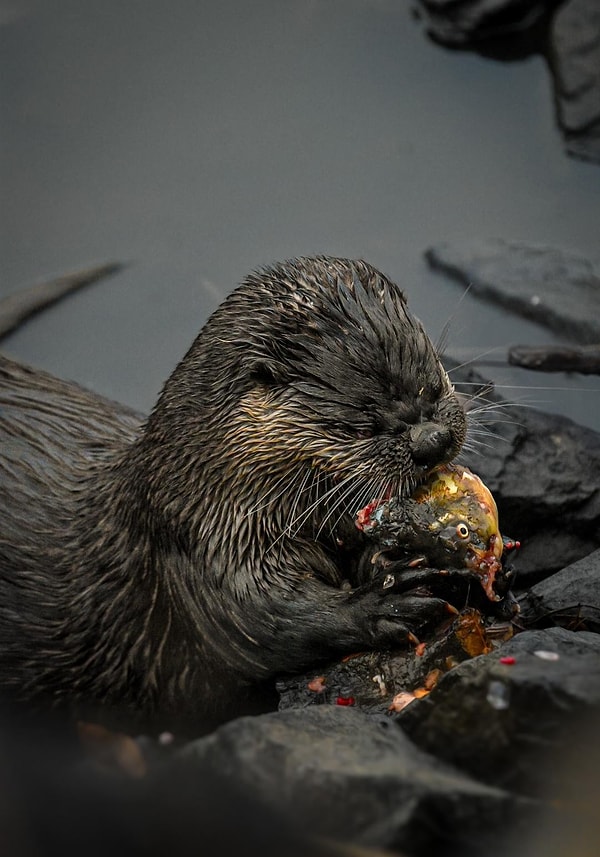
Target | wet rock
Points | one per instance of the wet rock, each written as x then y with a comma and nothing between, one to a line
355,777
574,55
584,359
568,33
460,23
553,287
506,718
558,640
16,308
570,598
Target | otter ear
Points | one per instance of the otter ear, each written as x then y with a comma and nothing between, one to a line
263,371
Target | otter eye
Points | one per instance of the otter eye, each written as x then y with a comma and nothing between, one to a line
462,530
363,433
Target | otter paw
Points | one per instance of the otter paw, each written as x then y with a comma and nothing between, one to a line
398,577
390,618
401,617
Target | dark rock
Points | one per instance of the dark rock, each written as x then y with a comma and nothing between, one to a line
354,777
568,33
557,640
570,598
16,308
584,359
574,56
506,723
461,23
550,286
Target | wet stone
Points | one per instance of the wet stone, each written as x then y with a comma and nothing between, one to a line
553,287
567,33
356,777
570,598
461,23
574,54
505,719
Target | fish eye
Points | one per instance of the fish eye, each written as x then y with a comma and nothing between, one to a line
462,530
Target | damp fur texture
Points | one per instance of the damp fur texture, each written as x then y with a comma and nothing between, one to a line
159,567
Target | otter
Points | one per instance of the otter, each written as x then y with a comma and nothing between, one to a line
161,570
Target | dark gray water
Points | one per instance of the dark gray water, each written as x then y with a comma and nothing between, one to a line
199,140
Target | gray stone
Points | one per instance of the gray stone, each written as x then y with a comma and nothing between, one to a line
354,777
461,23
506,723
567,32
570,597
558,640
556,288
574,54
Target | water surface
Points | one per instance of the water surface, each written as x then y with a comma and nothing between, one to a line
200,140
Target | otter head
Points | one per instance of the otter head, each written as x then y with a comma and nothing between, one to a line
312,382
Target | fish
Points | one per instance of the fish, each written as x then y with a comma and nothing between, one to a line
450,521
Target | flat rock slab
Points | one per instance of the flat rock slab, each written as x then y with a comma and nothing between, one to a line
553,287
355,777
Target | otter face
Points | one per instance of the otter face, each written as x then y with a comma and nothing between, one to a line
348,382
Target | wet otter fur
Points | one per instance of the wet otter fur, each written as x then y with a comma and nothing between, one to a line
158,568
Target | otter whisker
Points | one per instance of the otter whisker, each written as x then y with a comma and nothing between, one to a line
486,430
499,407
476,357
479,432
442,339
324,499
546,389
268,498
472,443
476,447
309,475
484,422
370,490
345,501
297,522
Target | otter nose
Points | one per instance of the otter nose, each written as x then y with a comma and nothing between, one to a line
430,443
